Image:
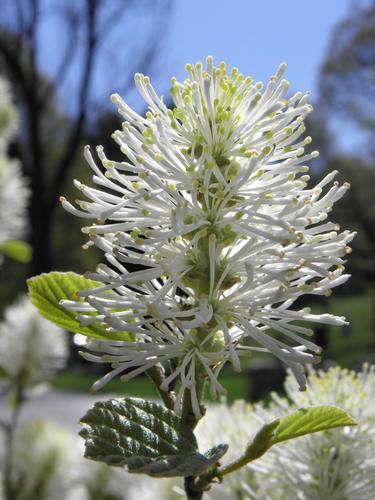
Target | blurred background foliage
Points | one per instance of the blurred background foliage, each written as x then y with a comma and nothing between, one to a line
61,112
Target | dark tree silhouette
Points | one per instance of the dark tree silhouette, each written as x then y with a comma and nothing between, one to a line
347,94
89,50
347,83
356,211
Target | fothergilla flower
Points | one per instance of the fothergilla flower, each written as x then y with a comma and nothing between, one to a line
213,207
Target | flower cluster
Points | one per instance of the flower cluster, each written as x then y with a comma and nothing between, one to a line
210,231
31,348
48,463
336,464
13,189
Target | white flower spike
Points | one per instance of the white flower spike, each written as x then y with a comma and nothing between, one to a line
336,464
210,230
14,192
31,348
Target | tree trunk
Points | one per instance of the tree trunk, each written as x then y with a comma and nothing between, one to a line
40,238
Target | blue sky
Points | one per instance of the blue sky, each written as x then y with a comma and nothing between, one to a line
254,35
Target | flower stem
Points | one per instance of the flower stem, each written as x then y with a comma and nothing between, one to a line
188,416
195,486
191,492
237,464
156,374
192,483
10,429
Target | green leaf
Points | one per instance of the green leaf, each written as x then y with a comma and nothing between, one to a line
17,250
310,420
191,464
261,441
303,421
47,290
145,437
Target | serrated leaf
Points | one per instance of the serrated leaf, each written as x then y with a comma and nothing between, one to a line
303,421
191,464
17,250
309,420
145,437
47,290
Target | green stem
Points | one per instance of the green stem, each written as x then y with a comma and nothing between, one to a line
237,464
261,443
10,429
156,374
193,489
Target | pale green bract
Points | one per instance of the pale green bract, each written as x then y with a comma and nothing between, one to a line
17,250
48,290
306,421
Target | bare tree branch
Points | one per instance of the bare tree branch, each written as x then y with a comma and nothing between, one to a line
149,52
75,135
20,21
70,49
50,139
113,18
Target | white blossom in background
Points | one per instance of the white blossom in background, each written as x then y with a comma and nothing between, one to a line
48,465
31,348
338,464
14,191
43,463
8,116
213,205
14,194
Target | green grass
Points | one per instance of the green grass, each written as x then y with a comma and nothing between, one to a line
350,345
80,381
236,384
